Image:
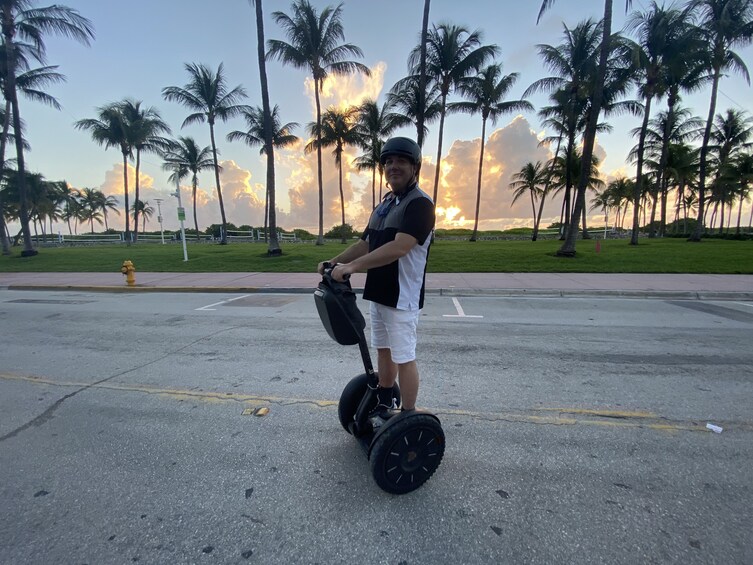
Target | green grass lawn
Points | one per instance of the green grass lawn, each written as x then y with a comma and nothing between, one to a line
503,256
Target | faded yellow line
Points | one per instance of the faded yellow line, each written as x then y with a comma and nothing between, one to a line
600,412
589,417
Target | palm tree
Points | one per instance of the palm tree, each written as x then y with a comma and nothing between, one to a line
338,129
20,22
574,66
741,170
109,128
255,135
145,209
452,53
486,93
406,97
530,179
185,156
730,137
658,32
90,207
107,202
725,25
207,95
682,171
314,44
268,131
373,125
589,138
144,126
30,84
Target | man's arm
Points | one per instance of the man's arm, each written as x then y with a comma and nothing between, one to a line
358,249
381,256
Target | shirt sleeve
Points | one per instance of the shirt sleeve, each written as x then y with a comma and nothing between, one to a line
418,220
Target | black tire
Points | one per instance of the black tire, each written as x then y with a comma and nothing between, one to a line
351,397
407,453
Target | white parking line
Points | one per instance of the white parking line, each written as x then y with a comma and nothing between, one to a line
461,313
209,306
744,304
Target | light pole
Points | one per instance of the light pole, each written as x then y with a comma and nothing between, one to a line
181,218
159,219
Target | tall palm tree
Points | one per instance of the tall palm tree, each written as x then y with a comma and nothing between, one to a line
30,83
682,171
270,204
725,25
374,124
589,138
185,156
574,64
452,53
338,129
255,135
314,43
486,93
742,170
207,95
530,179
144,127
21,23
658,32
110,129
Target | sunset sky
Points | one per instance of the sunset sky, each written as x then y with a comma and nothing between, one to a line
141,46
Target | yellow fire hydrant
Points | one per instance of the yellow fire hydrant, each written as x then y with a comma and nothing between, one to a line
128,270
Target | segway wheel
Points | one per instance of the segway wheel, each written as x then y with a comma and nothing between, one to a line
406,454
351,397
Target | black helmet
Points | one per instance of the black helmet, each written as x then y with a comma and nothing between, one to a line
403,146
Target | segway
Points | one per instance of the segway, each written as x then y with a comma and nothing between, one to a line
404,448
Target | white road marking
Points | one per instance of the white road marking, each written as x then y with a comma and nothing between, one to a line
209,306
459,309
745,304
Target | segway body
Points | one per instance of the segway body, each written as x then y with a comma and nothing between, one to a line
404,448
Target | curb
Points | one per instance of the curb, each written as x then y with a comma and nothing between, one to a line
449,292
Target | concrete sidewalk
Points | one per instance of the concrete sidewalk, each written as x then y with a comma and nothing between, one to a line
681,286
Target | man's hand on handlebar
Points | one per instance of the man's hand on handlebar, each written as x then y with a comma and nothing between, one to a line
342,272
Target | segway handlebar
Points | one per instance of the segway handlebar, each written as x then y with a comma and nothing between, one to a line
328,271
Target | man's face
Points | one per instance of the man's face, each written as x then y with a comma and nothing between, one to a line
400,172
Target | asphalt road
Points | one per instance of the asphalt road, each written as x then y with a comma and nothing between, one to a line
576,433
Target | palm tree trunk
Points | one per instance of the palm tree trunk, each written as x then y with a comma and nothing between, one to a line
28,250
342,197
480,174
696,235
194,187
270,205
136,197
223,239
125,189
422,79
568,248
320,239
4,239
373,188
439,147
639,171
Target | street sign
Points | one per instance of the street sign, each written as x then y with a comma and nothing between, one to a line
181,214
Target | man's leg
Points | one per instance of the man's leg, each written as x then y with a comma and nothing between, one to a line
408,384
386,368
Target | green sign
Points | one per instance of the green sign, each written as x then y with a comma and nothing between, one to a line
181,214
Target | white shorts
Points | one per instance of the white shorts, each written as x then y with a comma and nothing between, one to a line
395,330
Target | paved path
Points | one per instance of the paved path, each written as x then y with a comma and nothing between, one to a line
711,287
